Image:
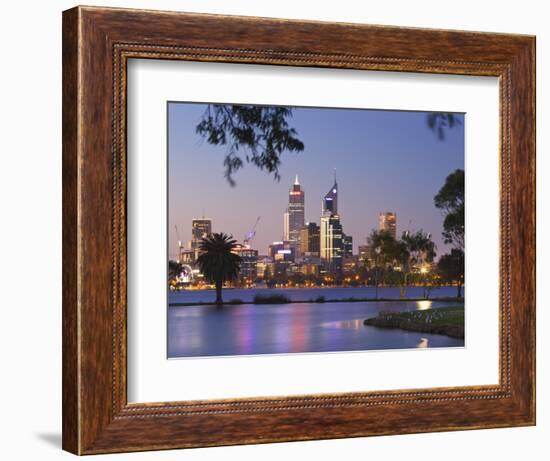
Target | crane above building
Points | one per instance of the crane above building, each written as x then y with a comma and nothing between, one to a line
180,245
251,233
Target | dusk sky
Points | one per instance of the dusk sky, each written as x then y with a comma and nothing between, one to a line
384,160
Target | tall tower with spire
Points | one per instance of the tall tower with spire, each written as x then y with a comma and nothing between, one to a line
331,233
330,200
295,214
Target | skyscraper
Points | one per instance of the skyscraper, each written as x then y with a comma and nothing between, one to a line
332,242
388,222
348,246
294,215
309,239
331,233
286,226
200,228
330,200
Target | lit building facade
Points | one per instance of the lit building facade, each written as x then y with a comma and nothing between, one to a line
286,226
330,200
331,242
309,268
265,267
348,246
388,222
310,240
331,235
282,251
200,228
187,256
350,264
249,263
294,216
364,254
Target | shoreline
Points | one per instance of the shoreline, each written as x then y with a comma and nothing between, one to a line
315,301
448,321
326,287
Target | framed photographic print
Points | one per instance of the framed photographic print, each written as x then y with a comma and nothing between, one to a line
281,230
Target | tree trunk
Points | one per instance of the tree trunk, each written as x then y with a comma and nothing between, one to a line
219,300
403,288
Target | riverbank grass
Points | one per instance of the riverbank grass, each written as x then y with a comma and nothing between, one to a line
273,298
447,321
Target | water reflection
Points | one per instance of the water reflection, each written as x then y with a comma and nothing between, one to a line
246,329
354,324
424,343
424,305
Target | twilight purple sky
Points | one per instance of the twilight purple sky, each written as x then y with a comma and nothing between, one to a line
384,160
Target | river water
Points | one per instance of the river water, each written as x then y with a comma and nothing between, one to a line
247,329
306,294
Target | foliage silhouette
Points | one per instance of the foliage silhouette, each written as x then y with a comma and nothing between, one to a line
252,134
420,249
450,199
451,269
439,122
261,134
420,246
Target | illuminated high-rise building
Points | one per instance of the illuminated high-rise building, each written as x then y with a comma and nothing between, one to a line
331,233
294,215
331,242
348,246
200,228
309,240
249,261
282,251
330,200
286,226
388,222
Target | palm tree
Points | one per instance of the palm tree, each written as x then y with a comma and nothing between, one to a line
218,262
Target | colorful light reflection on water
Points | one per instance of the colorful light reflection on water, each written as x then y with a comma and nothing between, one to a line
247,329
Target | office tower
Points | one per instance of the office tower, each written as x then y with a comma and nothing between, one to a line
388,222
331,246
249,262
294,215
282,251
331,242
310,239
286,226
330,200
348,246
200,228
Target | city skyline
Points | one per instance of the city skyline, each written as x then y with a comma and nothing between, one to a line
295,227
197,187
